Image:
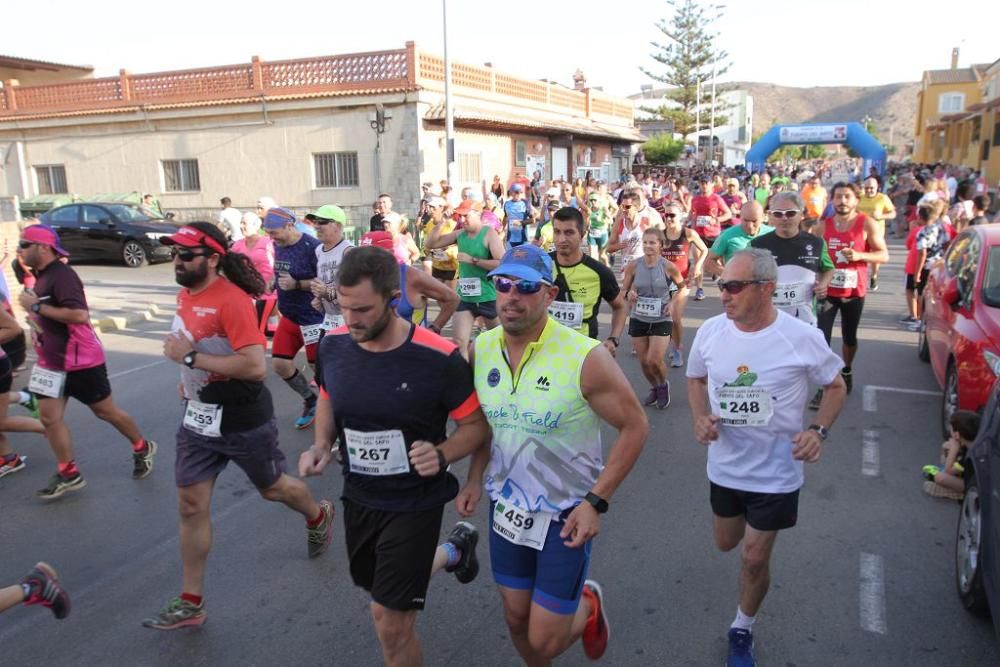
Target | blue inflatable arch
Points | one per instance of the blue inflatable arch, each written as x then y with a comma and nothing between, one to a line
852,134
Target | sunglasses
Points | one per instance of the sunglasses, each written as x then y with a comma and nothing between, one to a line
778,215
669,216
321,221
187,255
737,286
24,245
505,285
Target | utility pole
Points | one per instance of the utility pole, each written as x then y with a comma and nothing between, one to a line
449,113
697,118
711,124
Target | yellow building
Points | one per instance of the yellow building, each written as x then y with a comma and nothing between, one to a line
944,97
986,122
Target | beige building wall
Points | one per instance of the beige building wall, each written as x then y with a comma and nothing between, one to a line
42,77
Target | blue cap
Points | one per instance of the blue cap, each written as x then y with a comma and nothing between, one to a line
526,261
276,218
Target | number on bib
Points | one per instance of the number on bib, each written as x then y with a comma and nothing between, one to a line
519,526
332,321
745,406
377,453
568,314
844,279
649,306
791,294
311,333
203,418
46,382
470,287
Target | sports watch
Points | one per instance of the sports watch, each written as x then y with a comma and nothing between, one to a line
189,358
823,431
36,308
600,504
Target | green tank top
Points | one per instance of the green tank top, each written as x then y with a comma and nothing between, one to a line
546,438
468,274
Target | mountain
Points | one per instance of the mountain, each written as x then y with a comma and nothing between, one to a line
892,105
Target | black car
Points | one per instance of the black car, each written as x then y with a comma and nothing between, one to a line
977,545
113,230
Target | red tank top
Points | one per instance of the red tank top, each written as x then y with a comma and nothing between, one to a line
850,279
676,252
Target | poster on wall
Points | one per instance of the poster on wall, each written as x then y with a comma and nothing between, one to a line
535,163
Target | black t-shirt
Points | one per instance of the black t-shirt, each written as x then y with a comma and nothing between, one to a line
913,196
586,282
805,250
375,224
413,389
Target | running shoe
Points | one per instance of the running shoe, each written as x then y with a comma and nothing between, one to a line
929,472
597,630
308,415
873,284
663,396
915,326
59,485
179,613
13,465
848,379
676,359
31,405
699,294
321,535
44,589
909,319
142,461
816,400
740,648
465,537
650,397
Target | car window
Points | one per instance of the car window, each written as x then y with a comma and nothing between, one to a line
128,213
957,252
991,281
94,214
966,271
67,215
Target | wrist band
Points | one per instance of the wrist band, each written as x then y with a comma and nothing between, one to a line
442,461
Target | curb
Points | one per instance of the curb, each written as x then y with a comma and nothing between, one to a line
118,323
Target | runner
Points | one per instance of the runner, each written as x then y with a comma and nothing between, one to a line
737,238
518,215
228,414
479,251
814,195
804,265
70,360
547,480
329,221
583,282
40,586
748,375
681,243
415,289
648,284
260,249
600,211
10,461
544,235
395,461
734,199
853,240
626,232
708,212
301,325
879,208
444,261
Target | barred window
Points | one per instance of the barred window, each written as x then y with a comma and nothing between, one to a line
51,179
181,176
335,170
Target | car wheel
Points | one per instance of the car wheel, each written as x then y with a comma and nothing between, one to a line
134,255
949,400
923,348
969,552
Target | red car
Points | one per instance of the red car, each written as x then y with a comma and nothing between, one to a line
960,335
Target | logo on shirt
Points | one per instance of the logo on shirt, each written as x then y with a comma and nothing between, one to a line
493,379
746,378
542,383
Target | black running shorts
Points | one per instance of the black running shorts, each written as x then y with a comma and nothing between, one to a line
763,511
391,553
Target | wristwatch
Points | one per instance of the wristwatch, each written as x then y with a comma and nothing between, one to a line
823,431
614,339
189,358
36,308
600,504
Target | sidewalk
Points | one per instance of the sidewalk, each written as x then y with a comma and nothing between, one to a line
119,297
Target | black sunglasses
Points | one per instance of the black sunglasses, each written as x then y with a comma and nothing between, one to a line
505,285
670,216
187,255
24,245
737,286
321,221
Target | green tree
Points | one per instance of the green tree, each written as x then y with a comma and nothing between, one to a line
688,56
662,149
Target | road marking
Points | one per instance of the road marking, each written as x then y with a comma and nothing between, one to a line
872,594
870,403
137,368
870,454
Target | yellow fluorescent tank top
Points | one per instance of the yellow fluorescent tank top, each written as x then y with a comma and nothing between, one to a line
546,451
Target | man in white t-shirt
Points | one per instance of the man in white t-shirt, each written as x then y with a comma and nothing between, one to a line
749,373
229,220
329,221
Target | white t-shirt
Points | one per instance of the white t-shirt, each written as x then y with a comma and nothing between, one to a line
781,360
327,263
229,220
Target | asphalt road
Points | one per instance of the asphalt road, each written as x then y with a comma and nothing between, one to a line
865,578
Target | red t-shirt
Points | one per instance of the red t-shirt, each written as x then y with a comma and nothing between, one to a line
850,279
706,211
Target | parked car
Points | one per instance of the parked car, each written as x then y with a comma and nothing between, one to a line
110,230
977,560
960,335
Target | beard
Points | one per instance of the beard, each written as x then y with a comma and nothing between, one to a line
191,277
375,330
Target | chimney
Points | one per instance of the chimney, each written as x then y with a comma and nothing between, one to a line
954,58
579,80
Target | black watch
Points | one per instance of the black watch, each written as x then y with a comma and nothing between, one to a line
600,504
823,431
189,358
36,308
614,339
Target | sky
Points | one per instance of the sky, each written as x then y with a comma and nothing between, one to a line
773,41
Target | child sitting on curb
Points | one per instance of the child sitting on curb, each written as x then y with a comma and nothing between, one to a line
947,481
